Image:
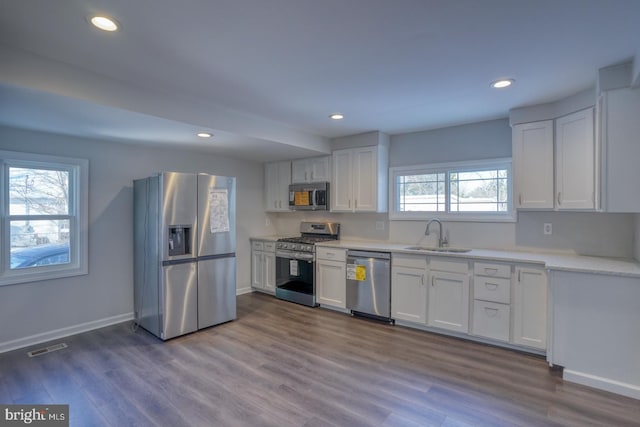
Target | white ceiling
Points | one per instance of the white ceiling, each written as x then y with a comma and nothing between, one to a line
264,75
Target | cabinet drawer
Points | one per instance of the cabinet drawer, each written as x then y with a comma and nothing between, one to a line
492,270
270,246
491,320
331,254
492,289
449,266
414,261
257,246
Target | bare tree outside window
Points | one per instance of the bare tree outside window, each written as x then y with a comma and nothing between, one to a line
39,216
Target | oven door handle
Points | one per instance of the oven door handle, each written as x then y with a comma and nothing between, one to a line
313,196
293,255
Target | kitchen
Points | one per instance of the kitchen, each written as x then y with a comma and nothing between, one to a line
62,304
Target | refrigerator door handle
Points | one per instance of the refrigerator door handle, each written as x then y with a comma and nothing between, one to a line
216,256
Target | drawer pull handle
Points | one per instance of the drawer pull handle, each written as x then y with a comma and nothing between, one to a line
491,286
491,312
490,271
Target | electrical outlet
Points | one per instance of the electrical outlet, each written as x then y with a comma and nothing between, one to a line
548,228
379,225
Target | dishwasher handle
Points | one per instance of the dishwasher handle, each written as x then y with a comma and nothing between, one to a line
368,254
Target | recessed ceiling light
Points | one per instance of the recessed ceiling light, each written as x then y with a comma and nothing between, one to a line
499,84
336,116
104,23
204,134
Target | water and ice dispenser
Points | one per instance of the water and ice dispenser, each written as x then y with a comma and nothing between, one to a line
180,240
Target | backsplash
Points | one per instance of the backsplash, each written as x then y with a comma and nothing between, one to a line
588,233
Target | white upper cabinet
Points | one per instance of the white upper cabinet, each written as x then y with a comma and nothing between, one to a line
619,114
357,185
575,161
533,165
313,169
277,177
555,164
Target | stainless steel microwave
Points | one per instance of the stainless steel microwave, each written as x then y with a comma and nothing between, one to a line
311,197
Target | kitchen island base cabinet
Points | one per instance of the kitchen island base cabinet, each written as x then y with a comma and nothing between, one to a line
596,337
530,307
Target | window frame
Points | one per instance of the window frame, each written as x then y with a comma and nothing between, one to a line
77,215
447,168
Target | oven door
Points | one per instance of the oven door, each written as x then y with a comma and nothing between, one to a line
295,277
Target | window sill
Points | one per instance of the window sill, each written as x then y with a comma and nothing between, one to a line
426,216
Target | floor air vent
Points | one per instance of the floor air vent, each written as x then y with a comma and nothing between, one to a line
46,350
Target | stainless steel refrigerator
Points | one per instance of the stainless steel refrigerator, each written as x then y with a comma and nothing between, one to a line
184,252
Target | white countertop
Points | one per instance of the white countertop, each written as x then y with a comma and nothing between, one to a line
551,261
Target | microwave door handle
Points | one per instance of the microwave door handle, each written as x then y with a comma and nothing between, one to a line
313,196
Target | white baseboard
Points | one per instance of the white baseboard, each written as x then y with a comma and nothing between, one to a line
625,389
242,291
63,332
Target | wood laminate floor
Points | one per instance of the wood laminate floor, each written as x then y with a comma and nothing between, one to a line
282,364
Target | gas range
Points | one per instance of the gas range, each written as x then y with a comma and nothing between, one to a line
295,262
301,244
311,233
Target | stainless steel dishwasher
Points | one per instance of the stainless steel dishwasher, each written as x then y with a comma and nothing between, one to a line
369,284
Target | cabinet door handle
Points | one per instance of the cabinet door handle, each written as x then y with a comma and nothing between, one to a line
519,275
559,199
349,203
356,204
491,312
519,199
422,279
433,281
490,271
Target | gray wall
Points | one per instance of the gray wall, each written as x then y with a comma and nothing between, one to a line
475,141
40,310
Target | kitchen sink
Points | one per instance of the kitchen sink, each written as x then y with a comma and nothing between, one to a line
432,249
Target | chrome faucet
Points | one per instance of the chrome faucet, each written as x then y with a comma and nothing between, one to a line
441,241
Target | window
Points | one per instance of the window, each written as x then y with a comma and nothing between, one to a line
44,217
469,191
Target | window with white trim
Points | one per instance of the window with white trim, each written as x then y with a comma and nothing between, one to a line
43,205
466,191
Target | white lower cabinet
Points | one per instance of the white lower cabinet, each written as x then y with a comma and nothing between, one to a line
492,300
409,294
530,307
491,320
331,277
504,302
409,288
263,266
448,299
